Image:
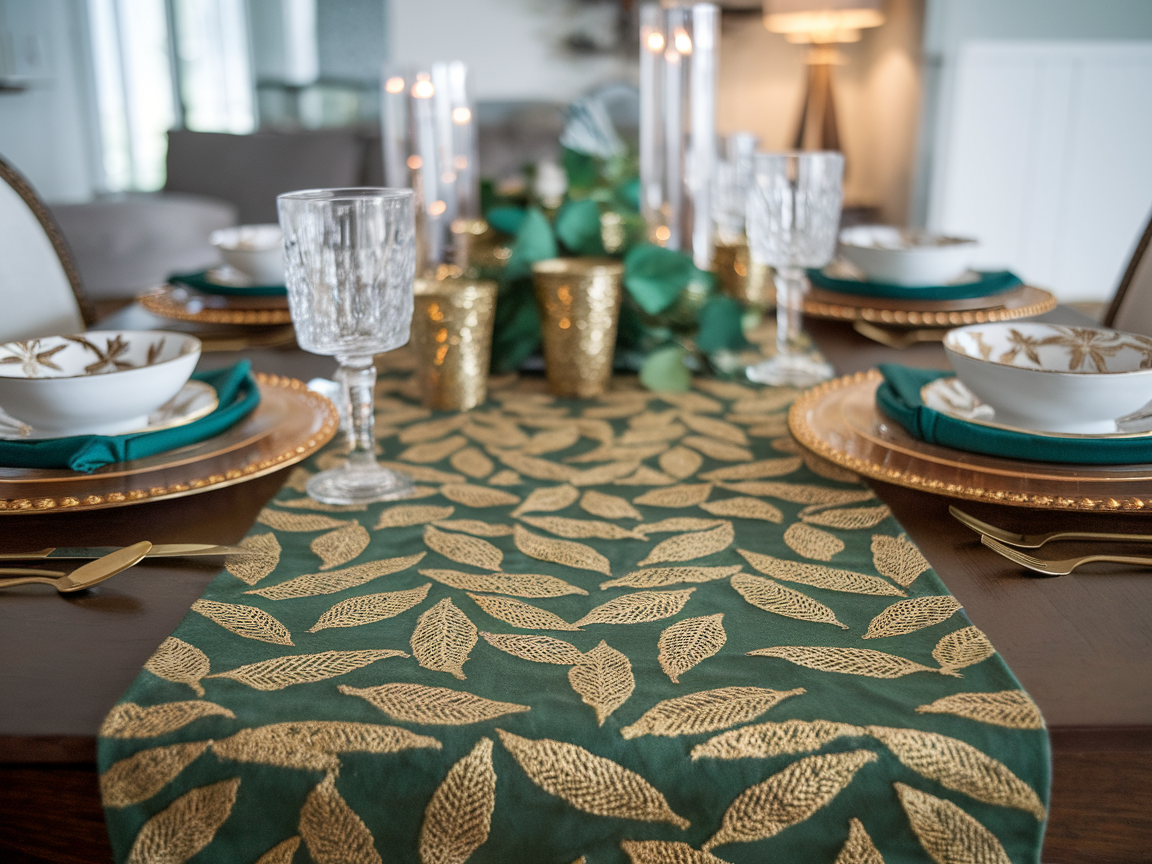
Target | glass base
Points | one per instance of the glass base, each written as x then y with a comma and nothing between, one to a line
791,370
346,485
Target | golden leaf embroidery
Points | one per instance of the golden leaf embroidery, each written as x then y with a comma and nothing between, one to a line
946,832
314,744
658,577
786,444
828,470
129,720
412,514
145,773
332,831
424,474
566,552
713,428
298,480
616,453
680,462
755,470
678,524
848,661
684,495
692,402
638,608
773,739
788,797
773,597
897,558
433,451
915,613
603,679
415,703
341,546
433,429
422,492
534,647
688,642
613,412
665,852
505,477
534,466
798,493
246,621
657,433
312,504
282,521
281,672
477,496
472,462
313,584
261,560
177,661
548,499
820,577
720,450
500,435
693,546
369,608
281,853
812,542
1009,708
520,614
589,782
579,529
849,518
608,506
463,548
475,527
552,440
186,826
766,401
608,473
964,647
645,476
707,711
459,816
744,508
597,430
859,848
443,638
725,389
516,584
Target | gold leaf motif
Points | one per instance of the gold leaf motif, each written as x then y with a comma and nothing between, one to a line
766,401
638,608
500,435
311,504
472,462
433,451
520,614
821,577
788,797
281,672
315,744
505,477
964,647
613,412
707,711
282,521
609,473
651,419
773,597
812,542
858,848
850,518
186,826
897,558
828,470
658,577
772,428
755,470
422,492
684,495
534,647
677,524
946,832
645,476
688,642
281,853
463,549
798,493
665,852
744,508
580,529
341,546
477,496
177,661
433,429
720,450
459,816
548,499
415,703
608,506
129,720
603,679
145,773
692,402
313,584
412,514
713,428
552,440
589,782
652,434
424,474
370,608
786,444
259,562
516,584
848,661
597,430
1012,709
725,389
443,638
246,621
693,546
534,466
915,613
298,480
616,453
680,462
475,527
566,552
773,739
332,831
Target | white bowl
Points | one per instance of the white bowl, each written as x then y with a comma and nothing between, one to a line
906,256
98,383
1052,377
255,250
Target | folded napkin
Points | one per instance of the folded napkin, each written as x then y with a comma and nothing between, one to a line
989,283
235,388
899,398
200,282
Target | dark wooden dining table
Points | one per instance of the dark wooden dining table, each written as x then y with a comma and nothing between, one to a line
1080,644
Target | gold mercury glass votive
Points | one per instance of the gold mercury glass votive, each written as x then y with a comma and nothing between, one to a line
477,245
452,338
741,278
579,301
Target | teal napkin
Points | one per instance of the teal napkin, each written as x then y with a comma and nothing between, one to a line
899,398
989,283
235,388
199,281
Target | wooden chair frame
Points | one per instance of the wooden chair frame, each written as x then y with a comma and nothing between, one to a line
1129,274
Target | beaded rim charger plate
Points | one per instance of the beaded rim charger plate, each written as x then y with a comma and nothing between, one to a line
839,421
1021,302
183,304
290,424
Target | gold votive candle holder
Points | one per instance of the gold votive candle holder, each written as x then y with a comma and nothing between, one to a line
452,338
740,277
579,301
478,246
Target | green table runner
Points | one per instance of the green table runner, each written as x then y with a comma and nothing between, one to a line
642,628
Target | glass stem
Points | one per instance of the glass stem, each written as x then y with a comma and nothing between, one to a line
358,375
791,285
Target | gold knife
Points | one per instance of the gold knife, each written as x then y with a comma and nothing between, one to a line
160,550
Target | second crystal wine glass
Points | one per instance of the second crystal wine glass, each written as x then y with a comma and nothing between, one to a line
349,259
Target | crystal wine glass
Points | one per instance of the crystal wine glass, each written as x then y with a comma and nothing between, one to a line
793,221
350,258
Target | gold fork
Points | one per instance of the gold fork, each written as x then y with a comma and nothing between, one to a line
1061,567
1035,541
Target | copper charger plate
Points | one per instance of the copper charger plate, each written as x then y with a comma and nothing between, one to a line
1023,301
839,421
290,423
184,304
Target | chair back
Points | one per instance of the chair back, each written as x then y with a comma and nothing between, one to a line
1131,308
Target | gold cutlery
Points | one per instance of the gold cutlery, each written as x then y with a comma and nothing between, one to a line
84,576
1063,566
1035,541
160,550
899,339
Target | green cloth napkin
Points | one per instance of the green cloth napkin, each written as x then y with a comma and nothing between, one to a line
989,283
899,398
200,282
235,388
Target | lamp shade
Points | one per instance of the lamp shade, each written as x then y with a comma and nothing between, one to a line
822,21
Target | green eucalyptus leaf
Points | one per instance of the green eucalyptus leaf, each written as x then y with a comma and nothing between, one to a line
507,220
665,370
721,326
578,227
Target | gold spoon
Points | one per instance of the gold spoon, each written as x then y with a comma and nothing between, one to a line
82,577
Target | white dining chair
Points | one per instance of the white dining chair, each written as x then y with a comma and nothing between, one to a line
40,292
1131,308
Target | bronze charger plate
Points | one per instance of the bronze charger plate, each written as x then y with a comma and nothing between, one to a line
839,421
290,424
184,304
1024,301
